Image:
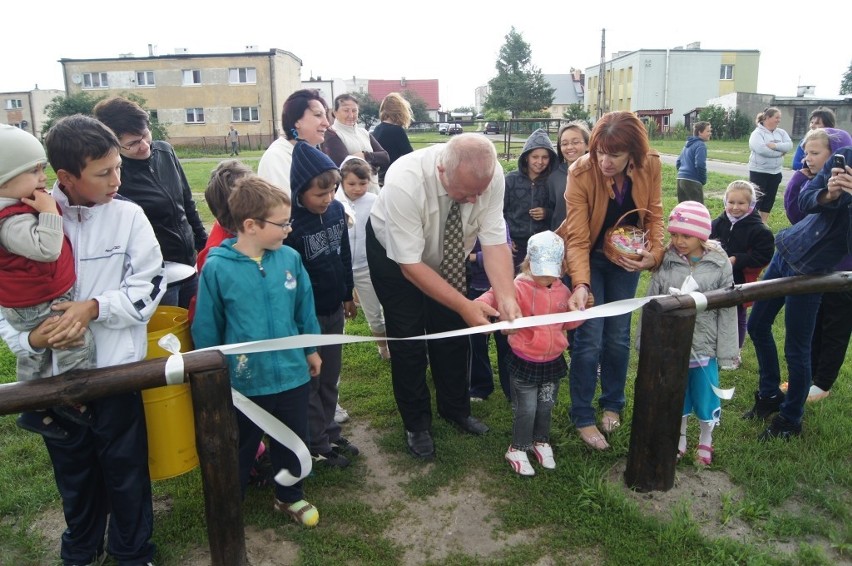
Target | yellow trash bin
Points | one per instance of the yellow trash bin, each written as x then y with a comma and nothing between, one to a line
168,409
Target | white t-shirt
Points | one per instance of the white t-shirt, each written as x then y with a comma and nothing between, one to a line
409,214
275,164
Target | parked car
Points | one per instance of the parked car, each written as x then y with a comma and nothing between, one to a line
492,128
455,129
442,129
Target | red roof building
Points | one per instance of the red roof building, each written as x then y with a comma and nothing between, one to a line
427,89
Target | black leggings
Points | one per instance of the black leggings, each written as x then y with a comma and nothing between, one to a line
768,183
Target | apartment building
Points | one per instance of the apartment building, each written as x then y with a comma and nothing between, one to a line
25,110
198,96
668,83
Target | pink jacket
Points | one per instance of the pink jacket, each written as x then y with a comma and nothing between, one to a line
538,343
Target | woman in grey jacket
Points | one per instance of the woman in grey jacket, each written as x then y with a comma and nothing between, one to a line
768,144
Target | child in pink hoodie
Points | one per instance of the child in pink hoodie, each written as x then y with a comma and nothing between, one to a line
537,362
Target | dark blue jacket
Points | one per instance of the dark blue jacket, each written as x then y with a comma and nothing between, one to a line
817,243
692,162
323,242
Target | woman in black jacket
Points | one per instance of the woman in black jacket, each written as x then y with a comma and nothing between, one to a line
152,177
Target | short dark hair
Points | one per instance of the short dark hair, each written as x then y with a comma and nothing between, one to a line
75,140
294,109
254,197
826,116
219,189
699,127
122,116
357,167
345,96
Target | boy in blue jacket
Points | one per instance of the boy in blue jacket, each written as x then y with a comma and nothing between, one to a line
321,236
252,288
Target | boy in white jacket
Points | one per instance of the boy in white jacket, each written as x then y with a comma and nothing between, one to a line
101,470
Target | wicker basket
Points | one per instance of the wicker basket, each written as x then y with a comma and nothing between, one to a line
622,241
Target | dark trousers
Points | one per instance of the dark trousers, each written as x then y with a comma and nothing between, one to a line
481,374
291,408
409,312
831,338
101,472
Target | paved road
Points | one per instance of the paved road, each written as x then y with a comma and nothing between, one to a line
729,168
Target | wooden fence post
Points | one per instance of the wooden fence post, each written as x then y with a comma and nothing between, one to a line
658,397
216,438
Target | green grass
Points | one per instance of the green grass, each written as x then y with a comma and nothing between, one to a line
794,497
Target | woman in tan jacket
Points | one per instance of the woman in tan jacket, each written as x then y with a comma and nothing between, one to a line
619,174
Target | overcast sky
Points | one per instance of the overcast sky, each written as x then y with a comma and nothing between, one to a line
456,42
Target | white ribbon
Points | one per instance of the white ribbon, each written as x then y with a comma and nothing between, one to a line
174,364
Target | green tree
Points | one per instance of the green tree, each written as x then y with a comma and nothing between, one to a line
578,112
846,82
717,116
738,125
368,108
61,106
519,85
84,103
419,112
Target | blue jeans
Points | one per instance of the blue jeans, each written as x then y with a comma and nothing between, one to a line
604,341
180,294
532,407
800,313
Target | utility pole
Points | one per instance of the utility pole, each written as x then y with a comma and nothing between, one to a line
602,73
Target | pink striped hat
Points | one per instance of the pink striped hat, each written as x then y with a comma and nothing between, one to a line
690,218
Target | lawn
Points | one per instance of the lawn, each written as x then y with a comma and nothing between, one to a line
780,503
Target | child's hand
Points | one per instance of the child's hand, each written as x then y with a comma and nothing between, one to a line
732,259
349,309
314,364
42,202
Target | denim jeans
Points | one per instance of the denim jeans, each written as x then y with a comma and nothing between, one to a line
799,318
604,341
532,407
180,294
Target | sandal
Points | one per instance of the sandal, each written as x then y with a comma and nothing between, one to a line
702,459
593,437
610,421
301,511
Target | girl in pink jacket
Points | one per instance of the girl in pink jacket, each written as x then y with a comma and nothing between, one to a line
536,361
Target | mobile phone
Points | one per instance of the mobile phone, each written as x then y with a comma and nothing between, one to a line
838,162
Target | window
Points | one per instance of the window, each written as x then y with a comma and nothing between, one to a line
191,77
95,80
195,115
144,78
245,114
242,75
12,103
726,73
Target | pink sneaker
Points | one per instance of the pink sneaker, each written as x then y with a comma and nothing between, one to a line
544,454
519,462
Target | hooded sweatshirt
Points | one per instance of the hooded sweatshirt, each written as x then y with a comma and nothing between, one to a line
321,239
692,162
523,193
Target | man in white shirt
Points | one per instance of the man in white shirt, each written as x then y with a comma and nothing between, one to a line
405,248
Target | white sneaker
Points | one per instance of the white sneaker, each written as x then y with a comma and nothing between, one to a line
815,394
341,415
519,462
544,454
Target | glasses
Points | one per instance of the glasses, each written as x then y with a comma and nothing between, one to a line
572,143
146,137
284,226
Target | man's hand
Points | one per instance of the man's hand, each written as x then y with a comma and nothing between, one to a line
314,364
477,313
350,311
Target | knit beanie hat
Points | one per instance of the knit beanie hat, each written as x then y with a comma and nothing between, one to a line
19,151
690,218
545,251
308,162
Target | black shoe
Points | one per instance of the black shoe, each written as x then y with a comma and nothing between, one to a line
332,459
780,428
343,446
420,444
43,423
470,425
763,408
